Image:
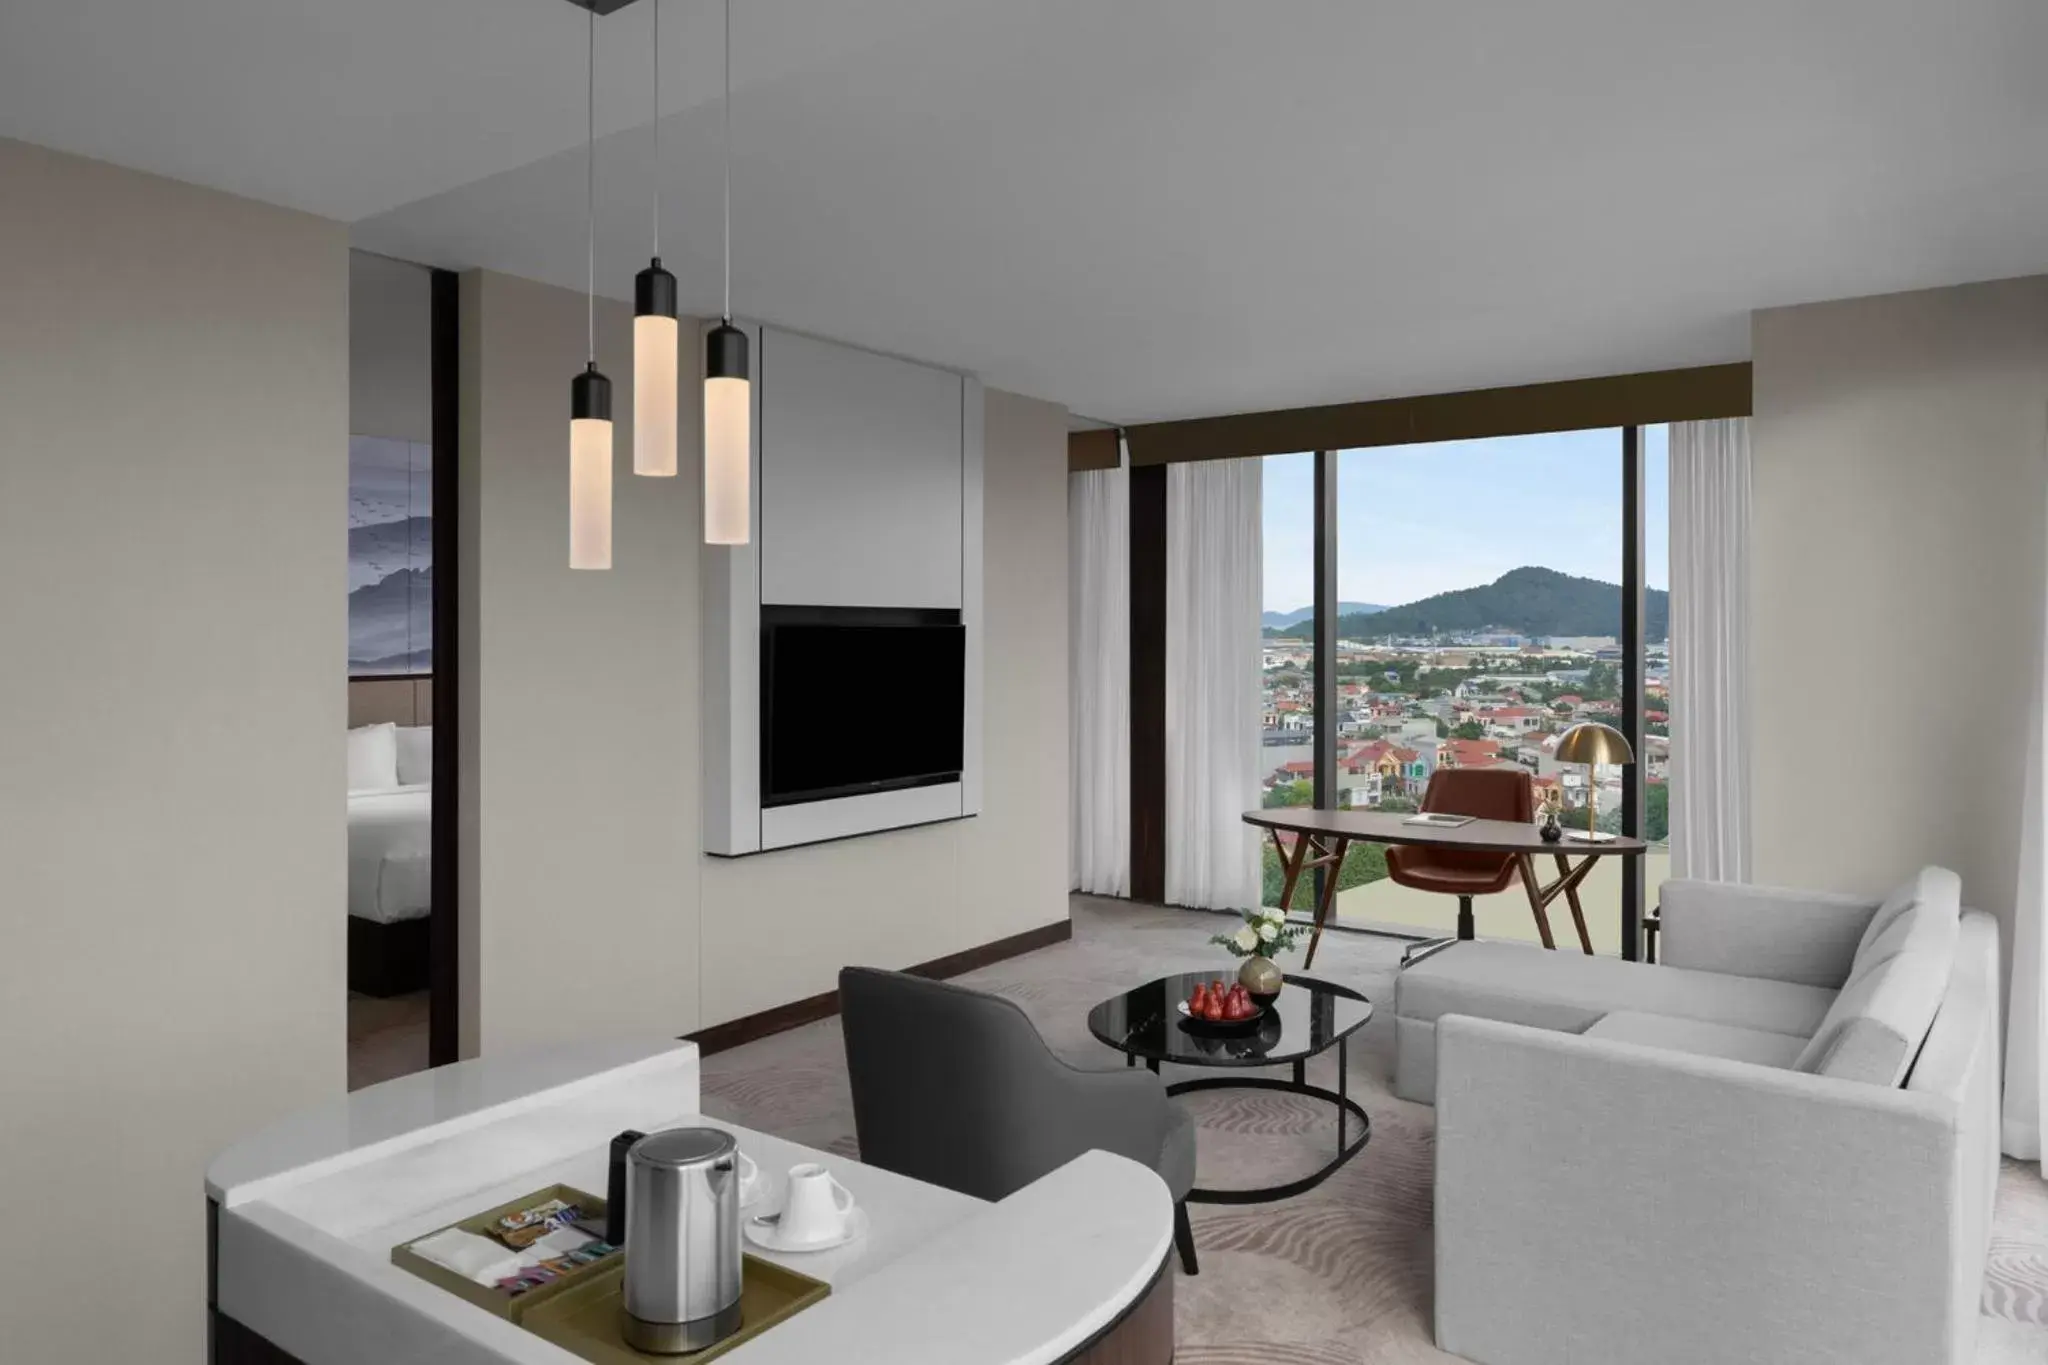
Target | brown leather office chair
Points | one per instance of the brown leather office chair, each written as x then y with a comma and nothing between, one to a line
1484,794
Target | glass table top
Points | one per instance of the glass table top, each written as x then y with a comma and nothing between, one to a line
1308,1016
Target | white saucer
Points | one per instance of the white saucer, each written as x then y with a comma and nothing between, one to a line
768,1236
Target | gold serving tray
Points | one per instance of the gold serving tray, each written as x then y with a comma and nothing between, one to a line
488,1297
583,1317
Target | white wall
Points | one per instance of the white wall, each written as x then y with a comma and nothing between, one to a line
583,857
1899,488
779,926
390,342
579,718
173,457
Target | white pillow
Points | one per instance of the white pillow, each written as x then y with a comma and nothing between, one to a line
415,755
1929,886
1875,1026
373,757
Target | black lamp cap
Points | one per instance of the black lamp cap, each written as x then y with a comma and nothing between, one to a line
654,292
590,396
725,353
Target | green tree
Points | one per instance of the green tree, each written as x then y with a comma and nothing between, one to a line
1656,815
1470,729
1365,863
1443,731
1299,793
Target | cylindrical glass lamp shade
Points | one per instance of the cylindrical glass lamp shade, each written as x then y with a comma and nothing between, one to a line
728,438
654,372
590,471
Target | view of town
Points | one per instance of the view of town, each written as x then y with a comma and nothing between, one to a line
1465,652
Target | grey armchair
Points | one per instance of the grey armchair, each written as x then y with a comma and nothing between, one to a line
955,1087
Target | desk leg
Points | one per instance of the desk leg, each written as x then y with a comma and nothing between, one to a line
1571,895
1327,899
1528,866
1293,862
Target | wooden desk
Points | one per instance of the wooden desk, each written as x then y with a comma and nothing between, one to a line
1329,834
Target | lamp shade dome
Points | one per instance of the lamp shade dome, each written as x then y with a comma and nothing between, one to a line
1591,742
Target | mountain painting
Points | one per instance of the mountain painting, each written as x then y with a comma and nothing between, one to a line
390,557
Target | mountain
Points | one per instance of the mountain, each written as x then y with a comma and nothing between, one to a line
1525,601
1282,619
393,616
380,548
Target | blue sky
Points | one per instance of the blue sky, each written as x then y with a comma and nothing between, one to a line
1417,520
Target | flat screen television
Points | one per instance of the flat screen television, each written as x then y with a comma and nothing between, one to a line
857,700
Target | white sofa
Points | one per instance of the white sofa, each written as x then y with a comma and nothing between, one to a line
1780,1144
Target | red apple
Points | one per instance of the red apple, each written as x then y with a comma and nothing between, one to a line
1199,1000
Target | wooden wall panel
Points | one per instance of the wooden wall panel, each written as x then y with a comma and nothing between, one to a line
1573,405
401,701
1148,684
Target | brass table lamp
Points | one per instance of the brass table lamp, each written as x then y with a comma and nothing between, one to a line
1590,743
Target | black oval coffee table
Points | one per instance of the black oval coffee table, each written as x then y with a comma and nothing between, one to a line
1307,1018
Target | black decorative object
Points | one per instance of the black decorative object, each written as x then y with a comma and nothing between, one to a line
1550,831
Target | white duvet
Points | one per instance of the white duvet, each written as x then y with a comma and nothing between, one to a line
390,853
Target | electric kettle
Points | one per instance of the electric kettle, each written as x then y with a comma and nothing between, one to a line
682,1240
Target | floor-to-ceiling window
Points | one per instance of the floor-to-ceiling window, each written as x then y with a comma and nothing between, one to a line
1479,588
1287,712
1656,755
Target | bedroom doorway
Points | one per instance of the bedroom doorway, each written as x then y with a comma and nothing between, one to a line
402,979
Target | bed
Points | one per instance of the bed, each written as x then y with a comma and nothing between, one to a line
390,867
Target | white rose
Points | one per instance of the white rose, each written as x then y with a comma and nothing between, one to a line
1246,938
1268,931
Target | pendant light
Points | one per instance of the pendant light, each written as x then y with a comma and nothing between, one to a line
590,393
728,404
654,331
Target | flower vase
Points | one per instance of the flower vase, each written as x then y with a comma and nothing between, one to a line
1260,976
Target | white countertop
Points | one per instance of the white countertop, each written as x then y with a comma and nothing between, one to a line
311,1210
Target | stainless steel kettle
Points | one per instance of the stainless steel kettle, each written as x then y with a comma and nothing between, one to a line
682,1226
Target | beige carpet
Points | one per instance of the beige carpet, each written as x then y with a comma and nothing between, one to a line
1341,1274
387,1037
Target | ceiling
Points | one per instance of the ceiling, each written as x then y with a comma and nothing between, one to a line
1143,209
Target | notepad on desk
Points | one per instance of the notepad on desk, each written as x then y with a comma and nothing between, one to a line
1437,820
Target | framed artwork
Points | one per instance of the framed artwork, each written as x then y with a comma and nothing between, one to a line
390,557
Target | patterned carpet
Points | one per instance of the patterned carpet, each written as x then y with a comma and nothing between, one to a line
1341,1275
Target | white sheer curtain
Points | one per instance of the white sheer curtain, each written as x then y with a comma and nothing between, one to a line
1214,571
1710,649
2026,1066
1099,678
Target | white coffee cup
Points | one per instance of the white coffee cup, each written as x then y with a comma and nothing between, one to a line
816,1208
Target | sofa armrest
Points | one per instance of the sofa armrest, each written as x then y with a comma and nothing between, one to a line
1598,1200
1808,937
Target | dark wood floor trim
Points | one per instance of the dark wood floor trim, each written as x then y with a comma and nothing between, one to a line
752,1027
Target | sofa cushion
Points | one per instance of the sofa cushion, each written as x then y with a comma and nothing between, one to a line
1878,1022
1524,984
1699,1037
1936,886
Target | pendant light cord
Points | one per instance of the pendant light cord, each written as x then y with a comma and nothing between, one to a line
657,129
727,107
590,193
